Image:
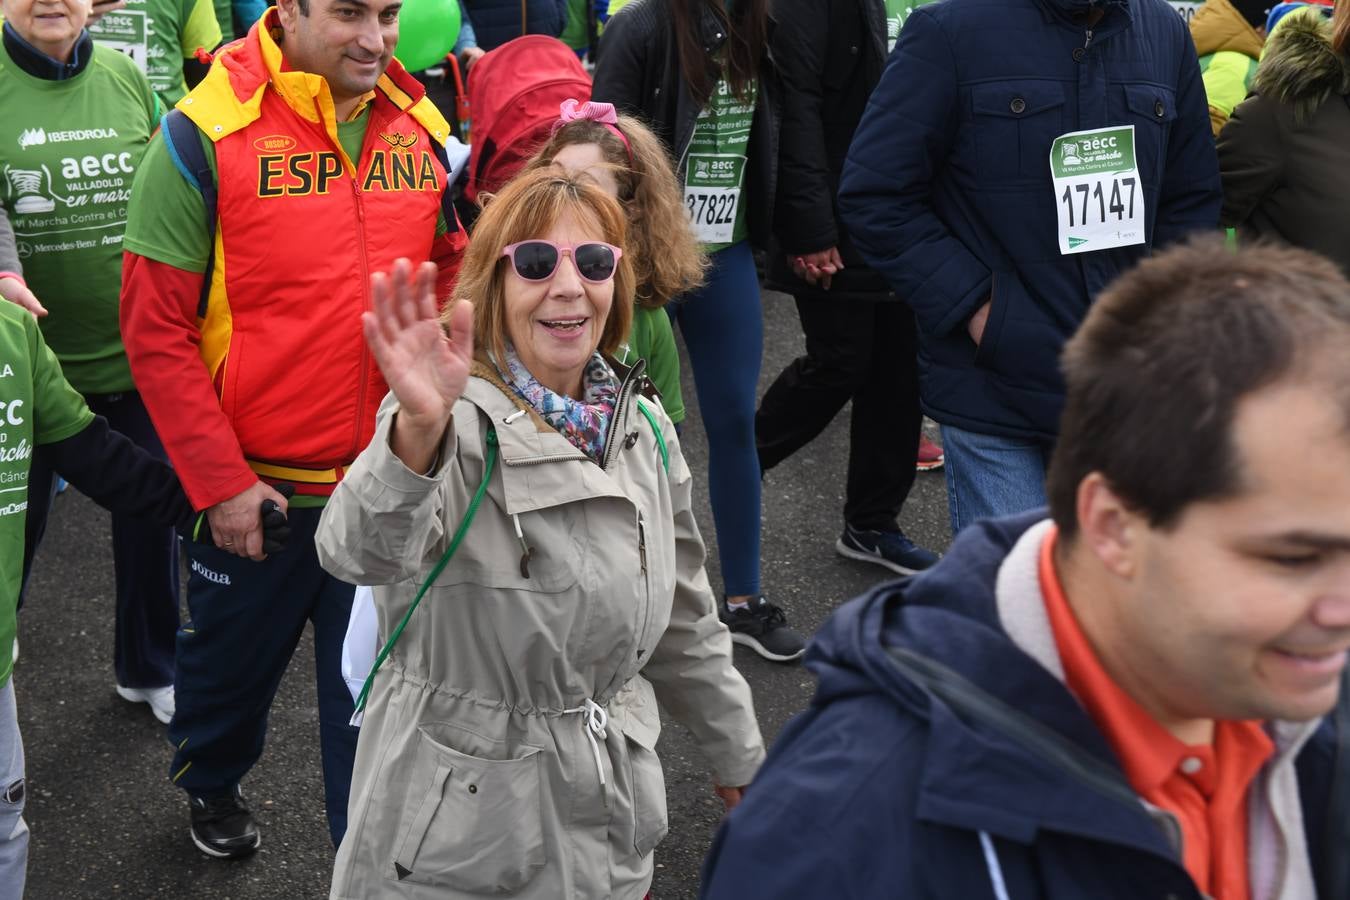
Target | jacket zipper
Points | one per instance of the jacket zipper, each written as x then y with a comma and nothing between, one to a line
626,391
646,584
540,460
1088,41
364,293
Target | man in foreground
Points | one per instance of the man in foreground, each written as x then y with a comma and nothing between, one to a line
1124,699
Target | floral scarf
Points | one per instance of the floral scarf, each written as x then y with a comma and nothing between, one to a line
583,422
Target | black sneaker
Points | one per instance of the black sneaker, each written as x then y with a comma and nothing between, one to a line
885,548
223,827
763,628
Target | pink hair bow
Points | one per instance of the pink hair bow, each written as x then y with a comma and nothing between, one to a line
572,110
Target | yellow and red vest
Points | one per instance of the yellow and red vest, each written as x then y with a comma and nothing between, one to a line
300,229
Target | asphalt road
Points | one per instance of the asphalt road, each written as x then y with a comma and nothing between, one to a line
106,822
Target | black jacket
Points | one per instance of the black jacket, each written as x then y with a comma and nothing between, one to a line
1284,152
830,54
639,72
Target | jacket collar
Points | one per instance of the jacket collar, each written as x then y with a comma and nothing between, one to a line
38,64
1117,14
230,97
541,467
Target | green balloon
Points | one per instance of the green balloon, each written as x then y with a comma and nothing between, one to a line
427,31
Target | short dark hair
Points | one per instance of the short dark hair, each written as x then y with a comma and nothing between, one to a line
1159,365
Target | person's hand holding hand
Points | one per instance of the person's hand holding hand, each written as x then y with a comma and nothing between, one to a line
16,292
468,56
236,523
102,8
731,796
817,268
425,368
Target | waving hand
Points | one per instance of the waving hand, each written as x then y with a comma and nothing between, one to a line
425,368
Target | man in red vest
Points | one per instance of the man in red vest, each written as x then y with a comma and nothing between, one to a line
321,158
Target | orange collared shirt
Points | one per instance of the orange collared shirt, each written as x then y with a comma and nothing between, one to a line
1205,787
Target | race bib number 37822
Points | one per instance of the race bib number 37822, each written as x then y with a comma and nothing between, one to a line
1099,198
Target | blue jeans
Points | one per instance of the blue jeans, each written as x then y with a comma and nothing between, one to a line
990,476
723,328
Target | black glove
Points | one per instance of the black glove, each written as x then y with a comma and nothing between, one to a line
276,529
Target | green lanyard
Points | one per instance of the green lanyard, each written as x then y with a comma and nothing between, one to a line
459,538
435,572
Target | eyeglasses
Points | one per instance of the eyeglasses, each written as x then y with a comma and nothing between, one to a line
538,260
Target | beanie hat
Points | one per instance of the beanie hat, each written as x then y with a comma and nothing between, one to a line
1280,10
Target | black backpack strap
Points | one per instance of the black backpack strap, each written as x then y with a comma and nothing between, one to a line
448,195
185,149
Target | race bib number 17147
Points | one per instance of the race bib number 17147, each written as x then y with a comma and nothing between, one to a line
1099,198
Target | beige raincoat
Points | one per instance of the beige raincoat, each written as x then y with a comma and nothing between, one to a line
509,740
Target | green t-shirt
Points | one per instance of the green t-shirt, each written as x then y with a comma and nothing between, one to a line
158,35
653,339
714,169
897,11
68,152
37,406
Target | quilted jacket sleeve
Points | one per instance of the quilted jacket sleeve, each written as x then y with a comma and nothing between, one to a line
886,192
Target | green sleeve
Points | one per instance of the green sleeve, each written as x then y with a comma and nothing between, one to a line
166,218
59,410
224,13
1227,79
653,339
200,27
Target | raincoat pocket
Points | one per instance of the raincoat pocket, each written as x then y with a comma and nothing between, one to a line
649,786
475,823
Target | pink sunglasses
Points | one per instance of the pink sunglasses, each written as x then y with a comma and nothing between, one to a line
537,260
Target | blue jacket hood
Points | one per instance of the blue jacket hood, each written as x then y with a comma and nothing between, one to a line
949,615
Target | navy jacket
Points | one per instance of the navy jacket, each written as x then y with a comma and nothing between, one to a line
497,21
904,779
947,188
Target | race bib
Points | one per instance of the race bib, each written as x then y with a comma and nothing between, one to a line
125,31
711,194
1099,197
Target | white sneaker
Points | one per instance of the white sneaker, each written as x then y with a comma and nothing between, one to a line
160,699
